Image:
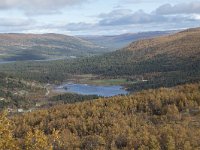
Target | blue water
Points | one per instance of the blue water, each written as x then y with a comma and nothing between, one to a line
35,60
85,89
6,62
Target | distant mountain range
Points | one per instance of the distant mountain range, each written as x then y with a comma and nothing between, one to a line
120,41
45,46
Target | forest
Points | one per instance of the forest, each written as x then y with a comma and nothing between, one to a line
164,61
165,118
99,75
162,110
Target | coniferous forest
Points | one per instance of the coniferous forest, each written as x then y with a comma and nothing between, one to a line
165,118
161,110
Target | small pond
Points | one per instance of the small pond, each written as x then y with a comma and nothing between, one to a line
85,89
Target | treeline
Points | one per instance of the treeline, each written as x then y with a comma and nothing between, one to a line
17,93
163,61
166,118
159,71
69,98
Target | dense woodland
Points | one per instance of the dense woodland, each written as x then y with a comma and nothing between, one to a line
71,98
163,61
166,118
151,118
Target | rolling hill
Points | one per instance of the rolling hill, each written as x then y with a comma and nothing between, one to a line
119,41
44,46
168,60
161,61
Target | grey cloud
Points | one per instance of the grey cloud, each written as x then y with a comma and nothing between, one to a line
34,7
167,13
183,8
138,17
123,19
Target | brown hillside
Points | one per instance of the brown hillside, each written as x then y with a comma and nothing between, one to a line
183,44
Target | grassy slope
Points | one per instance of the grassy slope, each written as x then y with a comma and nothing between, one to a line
36,47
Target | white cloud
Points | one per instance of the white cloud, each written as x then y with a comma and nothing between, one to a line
139,17
182,8
121,19
16,22
118,20
34,7
195,16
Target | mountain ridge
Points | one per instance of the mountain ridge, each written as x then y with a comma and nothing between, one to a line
44,46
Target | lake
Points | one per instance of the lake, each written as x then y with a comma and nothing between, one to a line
6,62
35,60
85,89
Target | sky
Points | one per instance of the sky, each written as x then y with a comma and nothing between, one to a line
97,17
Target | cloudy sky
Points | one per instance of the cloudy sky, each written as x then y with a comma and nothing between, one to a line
97,17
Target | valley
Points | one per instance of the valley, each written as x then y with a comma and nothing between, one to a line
162,61
150,88
47,47
23,47
119,41
20,96
99,75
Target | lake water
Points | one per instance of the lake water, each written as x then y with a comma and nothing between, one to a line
6,62
85,89
35,60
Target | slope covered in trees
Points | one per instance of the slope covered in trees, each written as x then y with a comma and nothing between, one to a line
166,118
17,93
21,95
163,61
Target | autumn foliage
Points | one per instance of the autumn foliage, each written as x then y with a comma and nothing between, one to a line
166,118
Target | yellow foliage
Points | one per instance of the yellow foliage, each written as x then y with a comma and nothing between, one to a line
36,140
7,142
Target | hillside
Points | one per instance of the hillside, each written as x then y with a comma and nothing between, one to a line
181,45
162,53
16,93
162,61
166,118
44,46
119,41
